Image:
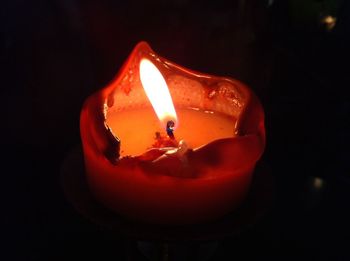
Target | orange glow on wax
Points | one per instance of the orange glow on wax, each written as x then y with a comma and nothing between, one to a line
157,92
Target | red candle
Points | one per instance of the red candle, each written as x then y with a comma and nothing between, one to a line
165,144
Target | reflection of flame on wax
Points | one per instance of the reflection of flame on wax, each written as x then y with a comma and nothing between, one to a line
157,92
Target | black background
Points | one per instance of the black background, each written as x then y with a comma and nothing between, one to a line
54,54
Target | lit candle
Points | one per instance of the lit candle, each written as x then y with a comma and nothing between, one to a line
165,144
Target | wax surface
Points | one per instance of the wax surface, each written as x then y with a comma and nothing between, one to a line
136,128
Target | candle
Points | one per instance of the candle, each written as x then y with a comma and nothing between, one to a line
165,144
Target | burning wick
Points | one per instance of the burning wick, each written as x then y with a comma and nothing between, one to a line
170,129
158,94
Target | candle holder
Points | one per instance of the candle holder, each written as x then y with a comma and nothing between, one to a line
198,184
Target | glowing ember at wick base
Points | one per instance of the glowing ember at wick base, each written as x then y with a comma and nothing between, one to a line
162,141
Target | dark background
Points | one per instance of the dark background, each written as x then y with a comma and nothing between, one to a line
54,54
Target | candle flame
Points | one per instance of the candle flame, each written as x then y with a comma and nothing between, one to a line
329,21
157,92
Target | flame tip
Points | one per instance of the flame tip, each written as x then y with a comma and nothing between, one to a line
157,91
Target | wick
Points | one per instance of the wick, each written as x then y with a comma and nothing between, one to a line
170,129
